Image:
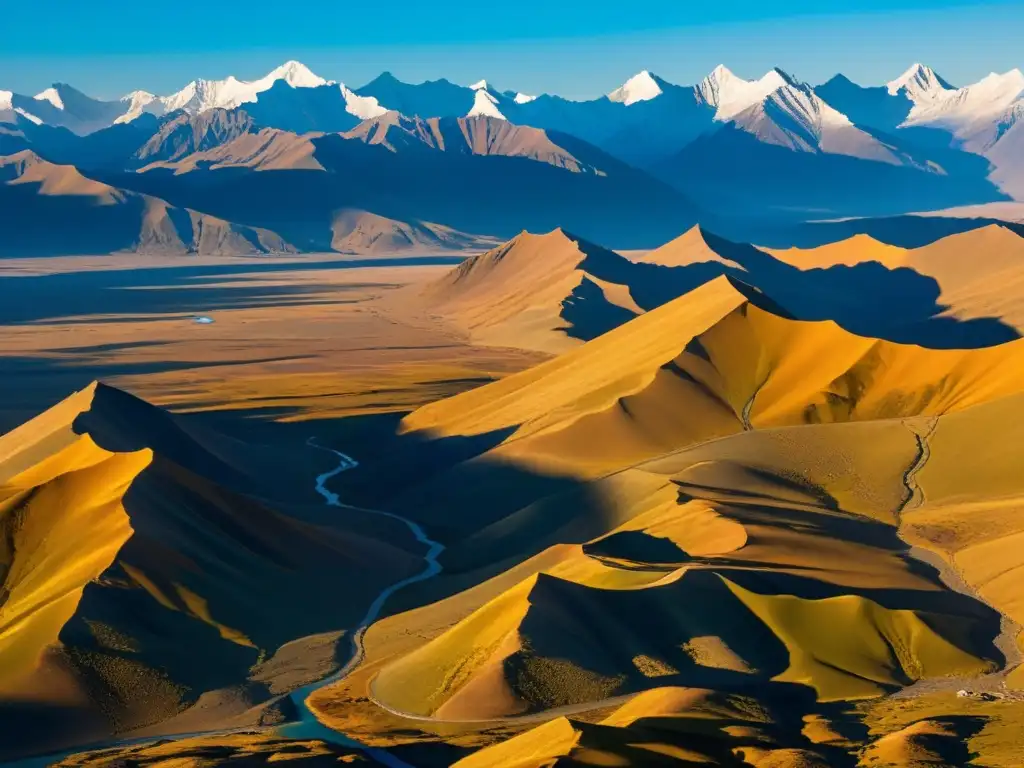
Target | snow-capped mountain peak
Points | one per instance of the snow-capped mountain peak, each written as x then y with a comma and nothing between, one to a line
138,103
6,100
296,74
1003,88
919,82
51,95
969,112
485,105
229,93
138,96
721,73
794,117
480,85
522,98
363,107
641,87
731,94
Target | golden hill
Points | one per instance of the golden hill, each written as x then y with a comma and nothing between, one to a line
978,274
694,247
738,564
849,252
844,528
665,726
549,292
27,167
147,565
702,366
960,291
712,535
362,232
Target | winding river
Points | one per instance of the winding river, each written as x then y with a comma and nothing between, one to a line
306,726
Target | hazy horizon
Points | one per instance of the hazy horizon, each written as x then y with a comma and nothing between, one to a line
872,45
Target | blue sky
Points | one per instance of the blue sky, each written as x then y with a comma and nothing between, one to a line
576,48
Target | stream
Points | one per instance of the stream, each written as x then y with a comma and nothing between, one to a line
306,726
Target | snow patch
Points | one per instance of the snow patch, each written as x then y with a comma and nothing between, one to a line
641,87
522,98
26,115
485,105
52,96
139,103
363,107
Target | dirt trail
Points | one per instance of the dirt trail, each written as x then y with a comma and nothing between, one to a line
1006,641
749,406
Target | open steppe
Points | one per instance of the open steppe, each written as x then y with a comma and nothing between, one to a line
284,328
709,504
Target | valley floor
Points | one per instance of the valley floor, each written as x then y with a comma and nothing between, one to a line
292,338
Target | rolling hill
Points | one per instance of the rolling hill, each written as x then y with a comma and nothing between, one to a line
548,292
704,365
792,552
149,566
50,209
529,184
921,296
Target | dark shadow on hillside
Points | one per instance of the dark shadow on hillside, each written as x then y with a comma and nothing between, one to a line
603,631
735,173
301,110
956,749
589,314
780,720
122,423
650,285
869,107
491,514
903,231
867,299
965,621
106,149
907,231
498,195
214,578
638,546
35,224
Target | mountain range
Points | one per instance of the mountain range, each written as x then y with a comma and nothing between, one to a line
632,168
